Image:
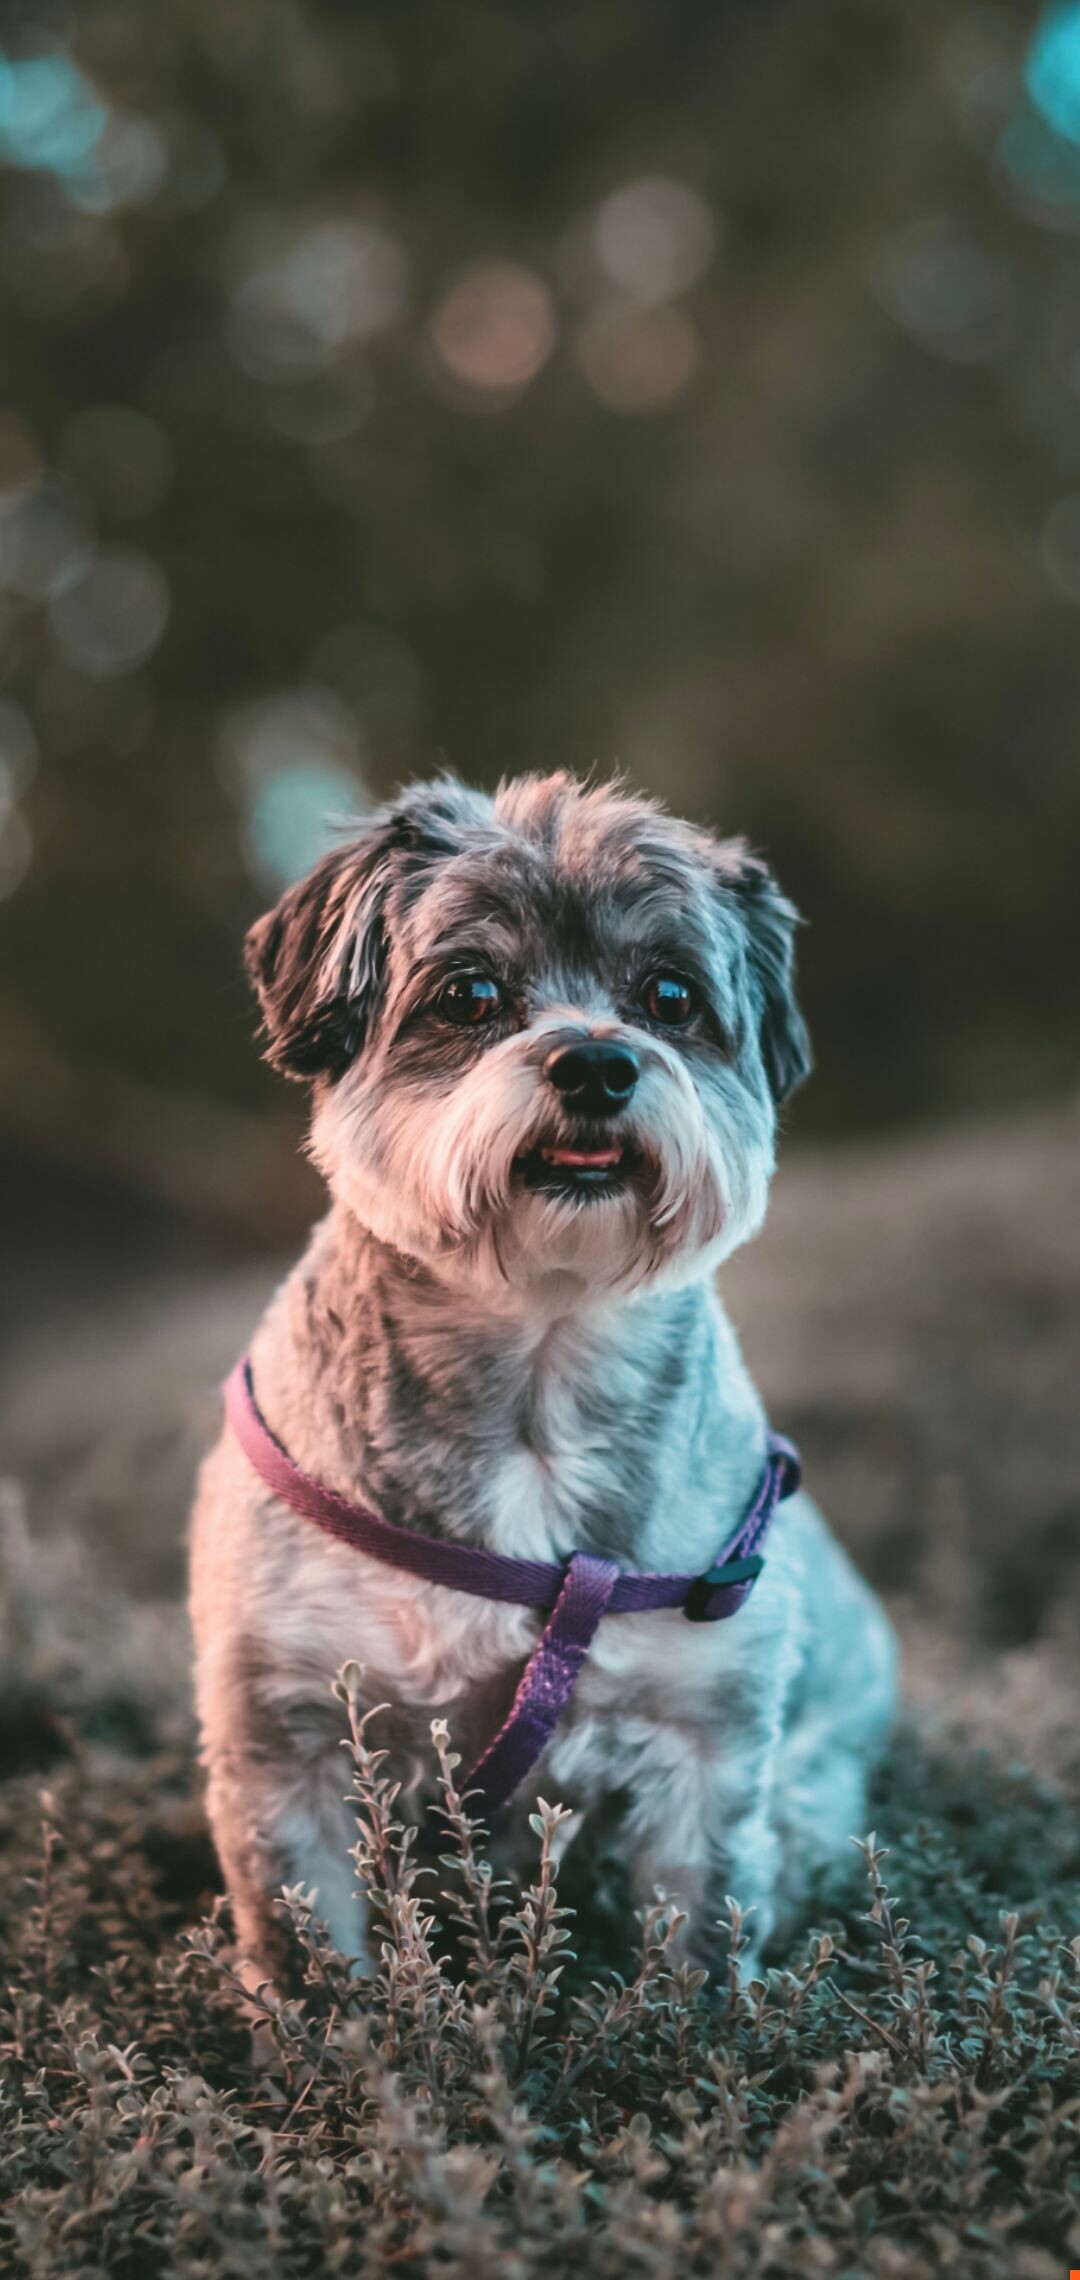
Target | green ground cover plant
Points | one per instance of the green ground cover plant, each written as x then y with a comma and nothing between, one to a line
901,2097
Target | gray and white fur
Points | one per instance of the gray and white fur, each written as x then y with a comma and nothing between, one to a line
506,1330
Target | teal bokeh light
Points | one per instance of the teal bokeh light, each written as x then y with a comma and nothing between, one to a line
49,115
1044,168
1052,69
297,814
1039,149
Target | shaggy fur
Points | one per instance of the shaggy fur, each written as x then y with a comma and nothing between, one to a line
540,1364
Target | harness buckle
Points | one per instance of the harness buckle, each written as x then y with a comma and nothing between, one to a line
700,1606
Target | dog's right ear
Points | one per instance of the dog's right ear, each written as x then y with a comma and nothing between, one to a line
317,959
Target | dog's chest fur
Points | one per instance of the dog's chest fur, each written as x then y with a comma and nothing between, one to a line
632,1432
629,1429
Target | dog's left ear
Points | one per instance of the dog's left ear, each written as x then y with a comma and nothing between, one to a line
771,921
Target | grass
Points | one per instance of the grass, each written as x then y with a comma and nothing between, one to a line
901,2098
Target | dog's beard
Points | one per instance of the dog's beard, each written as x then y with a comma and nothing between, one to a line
444,1178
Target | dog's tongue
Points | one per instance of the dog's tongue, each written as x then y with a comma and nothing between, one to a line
585,1159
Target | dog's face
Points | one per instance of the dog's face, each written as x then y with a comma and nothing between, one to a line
547,1033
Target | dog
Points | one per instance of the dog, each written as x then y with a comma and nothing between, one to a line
547,1034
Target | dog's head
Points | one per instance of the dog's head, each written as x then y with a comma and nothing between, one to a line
547,1032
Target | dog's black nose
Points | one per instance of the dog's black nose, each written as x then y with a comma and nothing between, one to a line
595,1076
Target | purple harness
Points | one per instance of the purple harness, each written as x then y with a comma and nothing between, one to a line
578,1591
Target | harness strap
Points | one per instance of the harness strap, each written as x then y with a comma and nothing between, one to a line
578,1592
547,1682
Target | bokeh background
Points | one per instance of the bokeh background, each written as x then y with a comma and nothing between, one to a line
682,386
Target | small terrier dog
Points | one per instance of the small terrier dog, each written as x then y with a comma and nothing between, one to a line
546,1035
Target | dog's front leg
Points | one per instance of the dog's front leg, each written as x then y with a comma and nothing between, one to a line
277,1823
743,1869
709,1837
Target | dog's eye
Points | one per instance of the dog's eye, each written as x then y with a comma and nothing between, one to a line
469,1000
669,1000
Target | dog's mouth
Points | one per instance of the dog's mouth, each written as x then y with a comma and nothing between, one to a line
555,1167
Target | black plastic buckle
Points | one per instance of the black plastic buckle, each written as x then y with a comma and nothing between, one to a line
697,1606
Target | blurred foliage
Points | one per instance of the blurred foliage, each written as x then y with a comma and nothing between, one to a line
690,388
